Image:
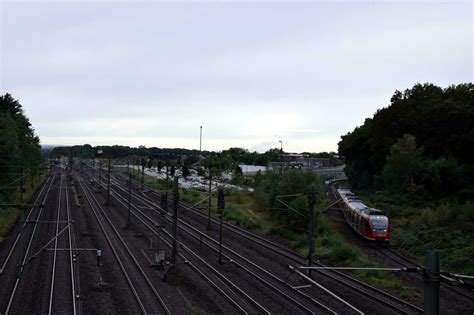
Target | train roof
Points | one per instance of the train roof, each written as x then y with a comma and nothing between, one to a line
356,204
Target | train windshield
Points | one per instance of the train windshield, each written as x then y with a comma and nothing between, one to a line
379,222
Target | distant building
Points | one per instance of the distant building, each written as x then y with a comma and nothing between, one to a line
301,161
320,166
252,169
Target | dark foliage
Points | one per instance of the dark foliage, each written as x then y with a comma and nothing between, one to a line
19,146
441,121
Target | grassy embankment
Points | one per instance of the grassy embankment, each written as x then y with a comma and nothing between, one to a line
241,209
443,225
8,216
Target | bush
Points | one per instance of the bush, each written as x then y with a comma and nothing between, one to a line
7,219
343,254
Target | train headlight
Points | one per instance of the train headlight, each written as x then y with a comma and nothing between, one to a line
385,231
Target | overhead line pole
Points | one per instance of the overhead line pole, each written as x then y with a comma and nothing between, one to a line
143,171
200,141
311,202
220,206
209,200
129,194
175,222
108,183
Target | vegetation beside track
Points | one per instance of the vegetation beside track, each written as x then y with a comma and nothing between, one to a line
20,157
444,225
8,216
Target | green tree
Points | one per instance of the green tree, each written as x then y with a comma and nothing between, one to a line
441,120
404,163
19,146
293,182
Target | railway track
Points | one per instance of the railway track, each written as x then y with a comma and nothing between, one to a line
246,265
386,299
62,259
376,294
146,296
395,304
23,229
23,239
44,261
241,301
141,215
404,261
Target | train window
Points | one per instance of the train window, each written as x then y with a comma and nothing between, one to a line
379,222
364,224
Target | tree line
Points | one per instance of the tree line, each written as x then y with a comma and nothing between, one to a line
420,144
20,151
226,160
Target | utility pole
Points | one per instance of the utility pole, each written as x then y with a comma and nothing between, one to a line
200,141
70,158
311,202
220,206
431,282
100,172
209,200
129,194
164,206
175,222
143,171
167,184
108,183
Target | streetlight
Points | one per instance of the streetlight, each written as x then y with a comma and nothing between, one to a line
281,156
200,139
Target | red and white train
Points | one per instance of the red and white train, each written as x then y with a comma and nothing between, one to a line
370,223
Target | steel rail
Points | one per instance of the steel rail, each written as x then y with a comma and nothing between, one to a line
301,260
239,256
319,304
53,274
195,268
71,260
327,291
402,260
12,248
127,277
186,260
132,256
215,272
25,256
154,206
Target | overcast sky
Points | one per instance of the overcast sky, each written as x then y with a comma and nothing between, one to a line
251,73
